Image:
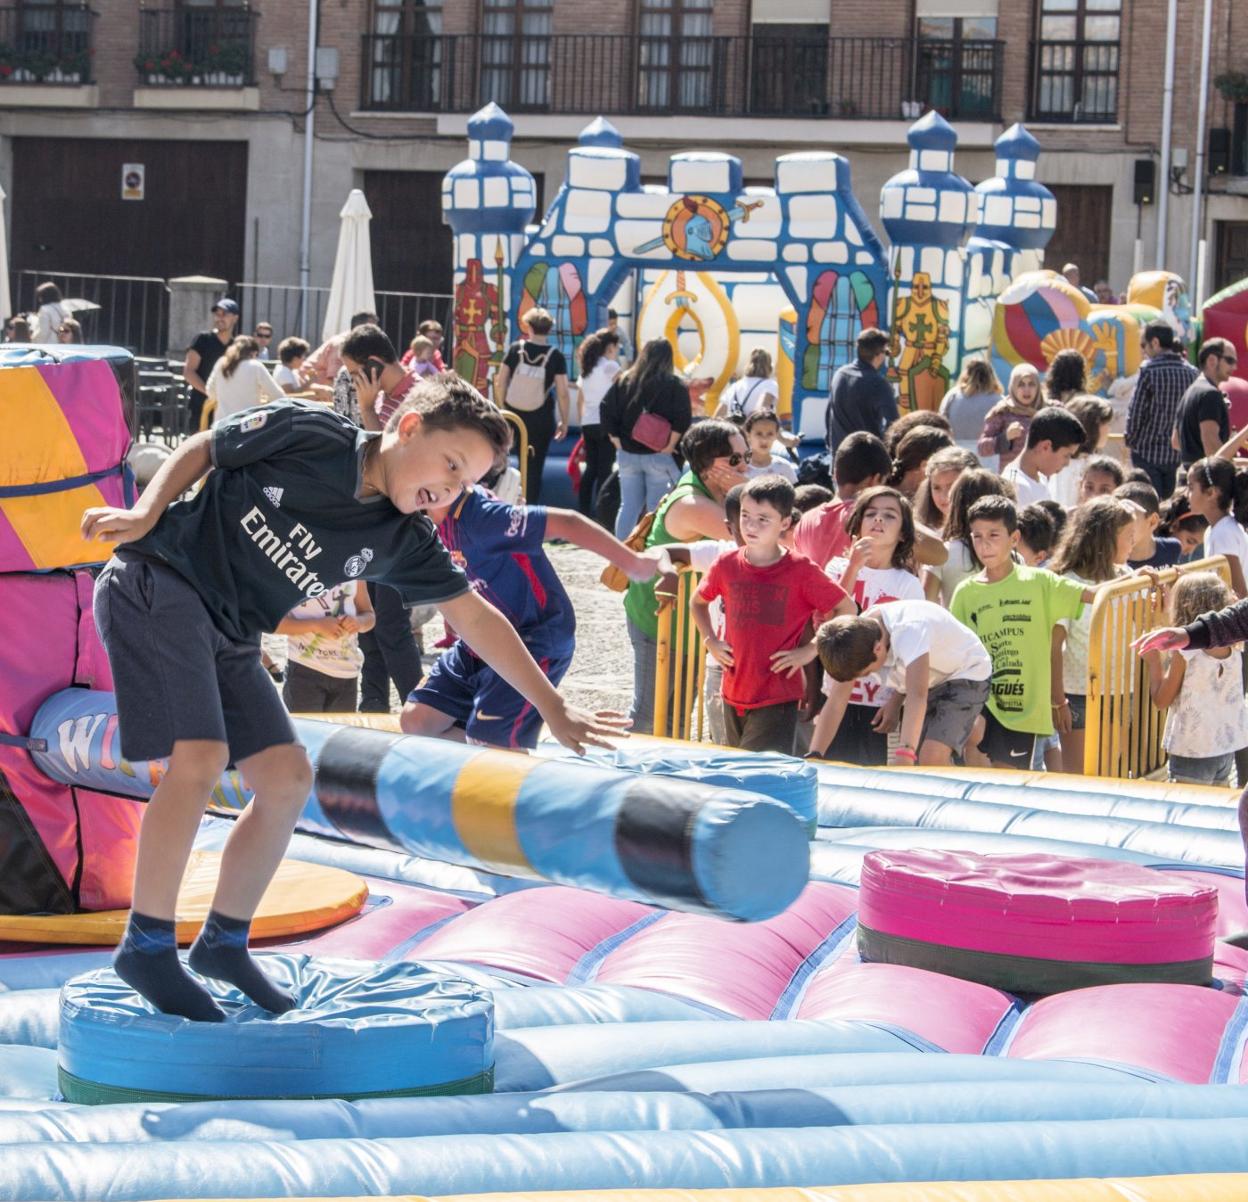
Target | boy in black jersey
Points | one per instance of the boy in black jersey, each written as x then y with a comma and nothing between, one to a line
301,500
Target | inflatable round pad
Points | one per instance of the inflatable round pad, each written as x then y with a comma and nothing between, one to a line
301,898
1035,923
361,1030
792,782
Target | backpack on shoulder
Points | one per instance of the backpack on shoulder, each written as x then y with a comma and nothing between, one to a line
526,390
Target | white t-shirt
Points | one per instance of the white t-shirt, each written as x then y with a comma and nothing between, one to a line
1209,717
49,319
1227,537
250,385
780,465
1064,485
340,658
954,570
1075,651
874,586
923,628
701,555
750,393
594,387
1028,489
286,377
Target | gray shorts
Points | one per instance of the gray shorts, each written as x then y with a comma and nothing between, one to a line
175,674
952,708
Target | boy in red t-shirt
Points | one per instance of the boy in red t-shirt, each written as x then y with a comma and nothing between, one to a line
769,595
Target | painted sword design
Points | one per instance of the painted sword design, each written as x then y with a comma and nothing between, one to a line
741,210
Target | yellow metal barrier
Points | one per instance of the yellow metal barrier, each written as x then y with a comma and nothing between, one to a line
522,448
680,667
1124,726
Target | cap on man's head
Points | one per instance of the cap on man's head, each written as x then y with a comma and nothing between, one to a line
226,305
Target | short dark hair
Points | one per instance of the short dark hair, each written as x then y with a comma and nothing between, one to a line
810,496
1160,331
1107,466
732,502
290,349
47,293
859,457
369,342
429,325
364,318
1037,529
1056,512
846,645
871,342
704,442
1137,475
1140,493
1058,427
449,403
612,315
772,490
994,509
1214,346
758,417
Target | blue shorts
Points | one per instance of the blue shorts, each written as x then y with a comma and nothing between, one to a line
467,690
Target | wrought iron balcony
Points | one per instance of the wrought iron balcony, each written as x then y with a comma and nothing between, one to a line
46,44
197,47
761,76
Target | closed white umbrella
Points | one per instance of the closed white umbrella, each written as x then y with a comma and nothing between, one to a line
352,289
6,302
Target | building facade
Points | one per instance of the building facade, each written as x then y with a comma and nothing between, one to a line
169,137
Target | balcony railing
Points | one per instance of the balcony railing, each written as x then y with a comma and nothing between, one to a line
198,47
765,76
45,44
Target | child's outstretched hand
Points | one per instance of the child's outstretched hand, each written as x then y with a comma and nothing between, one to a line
1168,638
110,524
794,659
577,729
721,651
648,564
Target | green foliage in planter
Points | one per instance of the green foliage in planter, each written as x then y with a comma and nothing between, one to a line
15,60
1233,85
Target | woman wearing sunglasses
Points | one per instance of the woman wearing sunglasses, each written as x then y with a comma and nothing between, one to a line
715,455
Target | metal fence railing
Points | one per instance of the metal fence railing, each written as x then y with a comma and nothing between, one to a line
771,74
114,310
680,667
196,46
46,43
1124,727
133,311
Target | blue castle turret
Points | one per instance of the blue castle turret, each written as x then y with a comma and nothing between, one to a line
487,193
928,204
1014,207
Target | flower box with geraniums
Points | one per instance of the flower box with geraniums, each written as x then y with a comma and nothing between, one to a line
18,66
218,65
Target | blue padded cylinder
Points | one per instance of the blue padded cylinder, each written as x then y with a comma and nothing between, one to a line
360,1030
783,778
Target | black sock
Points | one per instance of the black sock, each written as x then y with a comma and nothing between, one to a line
221,952
147,960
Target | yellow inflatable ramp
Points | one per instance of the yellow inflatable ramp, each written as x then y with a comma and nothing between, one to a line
1198,1187
302,898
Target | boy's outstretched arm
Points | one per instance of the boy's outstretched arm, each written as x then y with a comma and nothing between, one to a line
494,639
186,465
914,709
577,529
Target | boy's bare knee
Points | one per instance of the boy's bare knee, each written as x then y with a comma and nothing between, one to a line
420,719
199,761
279,772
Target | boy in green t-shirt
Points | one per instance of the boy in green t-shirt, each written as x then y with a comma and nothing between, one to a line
1013,609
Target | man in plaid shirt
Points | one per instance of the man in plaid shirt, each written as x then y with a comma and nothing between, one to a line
1163,380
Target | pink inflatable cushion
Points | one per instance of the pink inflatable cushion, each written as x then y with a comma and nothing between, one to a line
1039,906
742,969
956,1016
541,933
1174,1030
393,915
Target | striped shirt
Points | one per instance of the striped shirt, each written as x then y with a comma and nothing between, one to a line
1155,406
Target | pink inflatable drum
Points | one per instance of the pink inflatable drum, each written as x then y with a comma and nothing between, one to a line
1035,923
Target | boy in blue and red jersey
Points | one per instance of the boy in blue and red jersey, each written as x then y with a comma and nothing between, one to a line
499,547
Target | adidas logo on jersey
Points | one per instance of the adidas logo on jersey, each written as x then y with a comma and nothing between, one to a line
275,495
